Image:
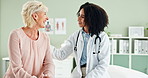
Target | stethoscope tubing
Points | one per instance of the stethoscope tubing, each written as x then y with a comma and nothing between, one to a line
94,52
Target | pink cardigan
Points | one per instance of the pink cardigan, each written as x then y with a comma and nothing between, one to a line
29,58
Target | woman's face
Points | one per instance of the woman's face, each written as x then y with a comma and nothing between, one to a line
42,18
81,17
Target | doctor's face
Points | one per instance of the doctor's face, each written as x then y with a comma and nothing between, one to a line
81,17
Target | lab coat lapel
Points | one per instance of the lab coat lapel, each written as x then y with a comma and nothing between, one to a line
90,49
80,49
81,45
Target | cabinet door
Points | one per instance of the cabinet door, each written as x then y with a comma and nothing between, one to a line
121,60
140,62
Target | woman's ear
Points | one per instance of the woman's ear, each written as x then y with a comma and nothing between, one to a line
35,16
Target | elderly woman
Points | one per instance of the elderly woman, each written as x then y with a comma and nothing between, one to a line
29,50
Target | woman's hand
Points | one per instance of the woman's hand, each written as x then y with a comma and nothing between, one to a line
46,77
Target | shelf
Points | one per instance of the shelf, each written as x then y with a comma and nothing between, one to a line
140,54
130,37
129,54
124,52
119,54
119,37
139,37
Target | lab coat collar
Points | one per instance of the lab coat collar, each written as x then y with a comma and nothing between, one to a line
81,37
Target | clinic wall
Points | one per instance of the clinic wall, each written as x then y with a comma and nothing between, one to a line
0,41
122,13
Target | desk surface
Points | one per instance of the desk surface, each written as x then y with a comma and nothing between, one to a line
5,58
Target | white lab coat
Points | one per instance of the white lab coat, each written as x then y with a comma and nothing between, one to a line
97,64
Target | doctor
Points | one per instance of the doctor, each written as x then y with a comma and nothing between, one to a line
90,44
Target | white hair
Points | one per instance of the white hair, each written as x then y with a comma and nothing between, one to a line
29,8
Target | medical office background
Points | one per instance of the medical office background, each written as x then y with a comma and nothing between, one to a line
122,14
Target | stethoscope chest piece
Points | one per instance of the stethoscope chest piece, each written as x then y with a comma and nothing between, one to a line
75,48
96,52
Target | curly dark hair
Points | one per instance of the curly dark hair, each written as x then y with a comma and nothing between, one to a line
95,18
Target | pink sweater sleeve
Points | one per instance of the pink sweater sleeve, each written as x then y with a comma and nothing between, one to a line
15,57
48,65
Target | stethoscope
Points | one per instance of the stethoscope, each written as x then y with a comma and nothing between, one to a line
95,51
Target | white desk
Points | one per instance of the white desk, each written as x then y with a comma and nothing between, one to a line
4,64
